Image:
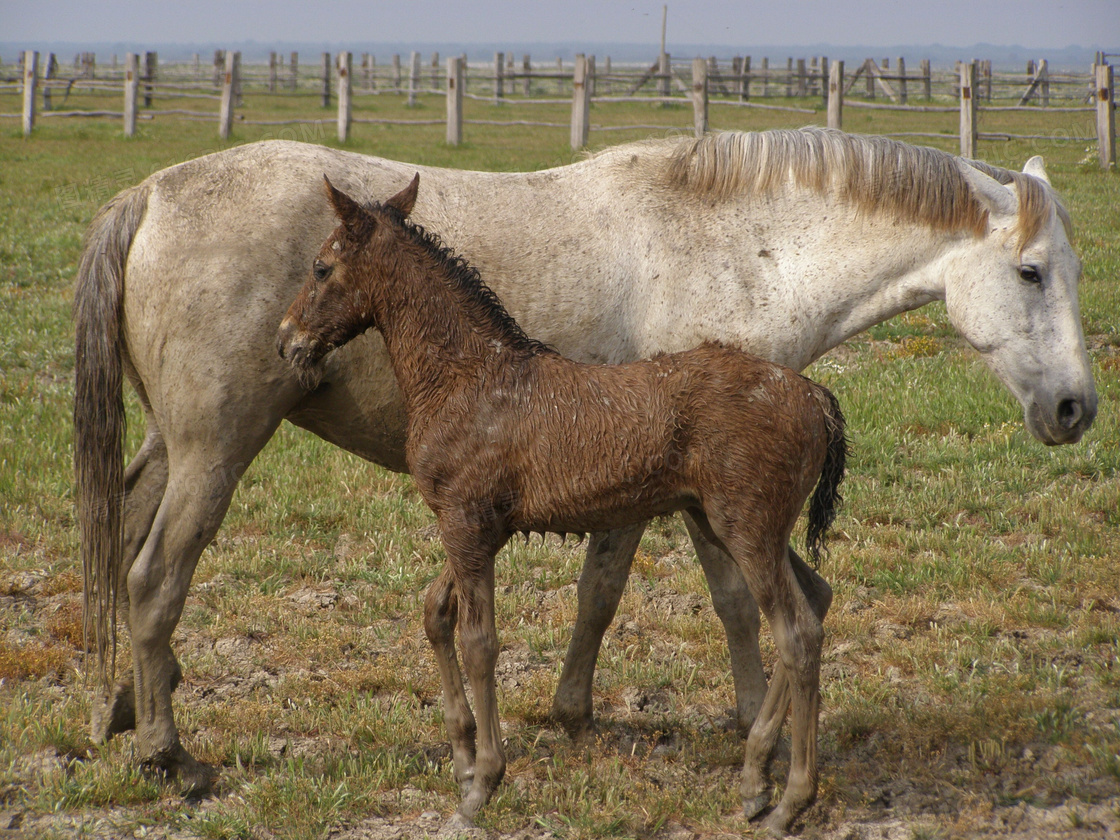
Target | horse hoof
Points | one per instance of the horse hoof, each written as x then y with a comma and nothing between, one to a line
755,805
458,825
194,779
775,825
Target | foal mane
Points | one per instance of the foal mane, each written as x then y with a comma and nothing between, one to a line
877,174
466,282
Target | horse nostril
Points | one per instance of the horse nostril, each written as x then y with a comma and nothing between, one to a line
1069,413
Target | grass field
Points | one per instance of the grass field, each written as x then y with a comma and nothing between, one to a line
972,663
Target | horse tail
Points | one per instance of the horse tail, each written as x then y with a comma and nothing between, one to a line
826,498
99,418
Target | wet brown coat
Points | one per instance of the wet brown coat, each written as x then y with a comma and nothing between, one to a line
506,435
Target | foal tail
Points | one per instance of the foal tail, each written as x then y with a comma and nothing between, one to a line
99,417
826,498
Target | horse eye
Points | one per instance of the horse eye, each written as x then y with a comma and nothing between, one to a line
1030,274
320,270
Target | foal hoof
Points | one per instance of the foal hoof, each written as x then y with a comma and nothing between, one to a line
578,727
755,805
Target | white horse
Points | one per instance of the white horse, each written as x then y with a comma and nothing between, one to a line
782,243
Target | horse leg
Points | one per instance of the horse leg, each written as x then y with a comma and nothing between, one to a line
739,614
441,612
145,480
480,657
601,583
199,489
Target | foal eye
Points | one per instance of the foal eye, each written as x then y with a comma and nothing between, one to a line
320,270
1030,274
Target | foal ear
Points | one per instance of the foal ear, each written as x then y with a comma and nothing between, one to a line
349,212
404,200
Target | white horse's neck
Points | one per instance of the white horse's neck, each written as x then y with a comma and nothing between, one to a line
618,295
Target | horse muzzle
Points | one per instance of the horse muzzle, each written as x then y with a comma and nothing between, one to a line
1063,420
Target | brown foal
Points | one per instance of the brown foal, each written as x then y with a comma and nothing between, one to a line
506,436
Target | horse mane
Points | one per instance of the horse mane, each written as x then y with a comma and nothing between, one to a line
467,283
915,183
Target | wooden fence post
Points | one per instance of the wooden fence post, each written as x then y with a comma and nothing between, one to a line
1044,82
902,80
49,69
836,95
397,73
699,96
435,71
559,76
527,70
272,71
499,76
345,115
131,85
219,67
927,80
825,72
581,103
968,109
413,78
454,100
664,74
229,78
30,81
1106,115
151,62
745,79
802,82
765,77
293,70
325,77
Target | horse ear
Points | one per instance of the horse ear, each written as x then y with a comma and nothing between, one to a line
349,212
1000,200
404,200
1036,167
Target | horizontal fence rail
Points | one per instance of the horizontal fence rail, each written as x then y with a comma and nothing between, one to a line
804,86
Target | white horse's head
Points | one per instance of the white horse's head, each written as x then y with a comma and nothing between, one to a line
1012,293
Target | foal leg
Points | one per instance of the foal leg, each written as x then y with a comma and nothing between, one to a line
480,657
798,635
601,583
756,788
441,612
739,614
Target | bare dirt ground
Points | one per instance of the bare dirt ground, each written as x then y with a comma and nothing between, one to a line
925,806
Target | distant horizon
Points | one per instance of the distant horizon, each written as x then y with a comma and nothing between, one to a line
1037,26
1004,55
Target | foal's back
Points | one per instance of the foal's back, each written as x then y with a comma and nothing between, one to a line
548,444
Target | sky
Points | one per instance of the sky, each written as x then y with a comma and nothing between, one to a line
1031,23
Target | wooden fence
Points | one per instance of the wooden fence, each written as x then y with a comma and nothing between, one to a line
804,84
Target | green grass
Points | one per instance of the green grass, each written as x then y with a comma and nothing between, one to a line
972,646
